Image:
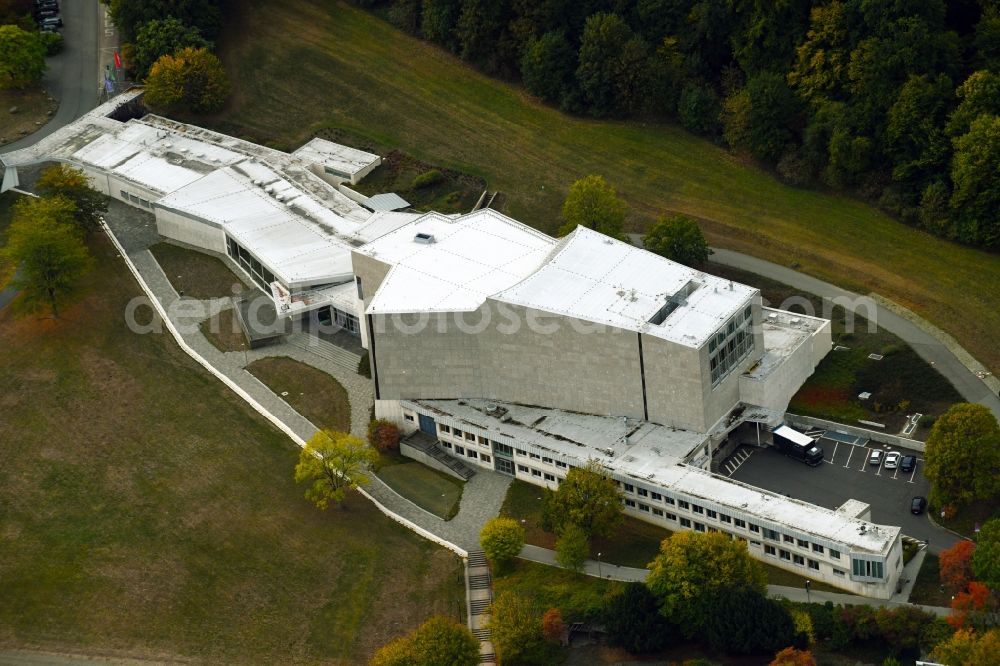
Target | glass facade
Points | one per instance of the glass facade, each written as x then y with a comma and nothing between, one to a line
730,345
249,263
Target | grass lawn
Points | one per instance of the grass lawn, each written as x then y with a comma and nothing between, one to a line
146,511
302,66
578,596
311,392
7,200
428,488
196,274
224,332
927,590
968,517
832,391
453,192
33,110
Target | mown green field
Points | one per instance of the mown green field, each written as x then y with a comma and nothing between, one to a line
303,65
146,511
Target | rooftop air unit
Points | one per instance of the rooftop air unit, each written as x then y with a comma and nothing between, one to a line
427,239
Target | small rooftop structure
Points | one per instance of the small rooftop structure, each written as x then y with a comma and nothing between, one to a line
337,160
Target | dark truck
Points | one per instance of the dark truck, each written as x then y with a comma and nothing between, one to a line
797,445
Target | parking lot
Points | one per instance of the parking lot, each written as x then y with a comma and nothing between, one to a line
845,474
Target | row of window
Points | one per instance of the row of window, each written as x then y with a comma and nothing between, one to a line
773,535
497,447
538,474
468,453
249,263
127,196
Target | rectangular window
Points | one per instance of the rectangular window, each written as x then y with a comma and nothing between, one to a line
535,472
560,464
630,503
669,500
472,454
711,514
784,554
670,516
658,512
446,445
685,522
697,509
754,528
550,477
534,456
459,449
522,468
483,440
408,417
485,458
769,534
644,507
682,504
867,568
642,492
817,548
788,539
802,543
503,449
739,522
520,452
725,518
547,461
444,428
457,433
361,292
124,195
835,554
813,564
656,497
144,203
799,560
629,488
755,543
469,436
770,550
698,527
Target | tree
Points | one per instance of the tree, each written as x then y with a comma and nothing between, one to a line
963,454
437,642
547,66
633,621
587,498
956,565
482,36
699,109
572,547
760,117
744,621
48,251
915,137
438,19
677,238
383,435
600,68
901,628
22,57
975,606
692,568
792,657
980,93
986,558
591,202
975,173
820,70
131,15
332,462
162,37
64,180
502,540
516,630
553,626
967,648
191,79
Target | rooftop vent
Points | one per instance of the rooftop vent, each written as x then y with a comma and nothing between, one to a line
424,238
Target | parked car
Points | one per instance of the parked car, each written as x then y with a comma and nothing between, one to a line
892,459
50,24
42,14
876,457
47,4
918,505
908,463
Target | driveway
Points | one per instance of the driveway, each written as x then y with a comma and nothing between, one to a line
73,77
846,474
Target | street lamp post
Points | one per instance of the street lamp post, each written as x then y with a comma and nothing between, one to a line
808,585
599,573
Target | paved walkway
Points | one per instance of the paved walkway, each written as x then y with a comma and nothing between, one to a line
482,496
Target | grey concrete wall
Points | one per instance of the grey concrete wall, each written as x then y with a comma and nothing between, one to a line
674,378
807,422
190,231
372,272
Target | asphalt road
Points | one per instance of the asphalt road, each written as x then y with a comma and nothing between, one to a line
846,474
73,77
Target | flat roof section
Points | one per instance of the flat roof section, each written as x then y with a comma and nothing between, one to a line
596,278
343,160
444,264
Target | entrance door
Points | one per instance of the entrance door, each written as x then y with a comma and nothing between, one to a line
427,425
504,465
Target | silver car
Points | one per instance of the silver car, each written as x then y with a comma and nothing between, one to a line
892,459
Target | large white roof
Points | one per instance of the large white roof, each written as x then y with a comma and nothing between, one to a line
456,263
593,277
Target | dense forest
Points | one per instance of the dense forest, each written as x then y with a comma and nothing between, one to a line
894,100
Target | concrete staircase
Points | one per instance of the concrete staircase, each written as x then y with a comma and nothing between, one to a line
323,349
480,595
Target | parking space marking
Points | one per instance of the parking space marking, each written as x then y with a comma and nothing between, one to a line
914,472
848,463
834,456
